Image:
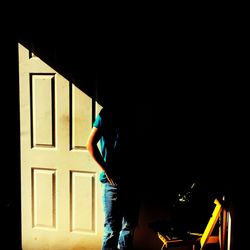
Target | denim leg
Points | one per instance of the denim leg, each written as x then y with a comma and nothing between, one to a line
130,212
126,236
112,217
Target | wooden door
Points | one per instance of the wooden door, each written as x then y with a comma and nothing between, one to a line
60,189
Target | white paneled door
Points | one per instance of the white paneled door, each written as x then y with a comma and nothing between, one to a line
60,189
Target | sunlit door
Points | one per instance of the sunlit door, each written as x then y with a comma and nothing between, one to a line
60,191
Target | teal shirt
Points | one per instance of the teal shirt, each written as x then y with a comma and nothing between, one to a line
108,125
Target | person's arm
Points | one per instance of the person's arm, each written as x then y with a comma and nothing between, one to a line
94,151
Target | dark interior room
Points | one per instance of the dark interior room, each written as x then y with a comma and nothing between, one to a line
178,78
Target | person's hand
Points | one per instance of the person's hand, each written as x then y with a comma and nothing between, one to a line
110,178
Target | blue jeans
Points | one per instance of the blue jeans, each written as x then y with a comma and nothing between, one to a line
121,209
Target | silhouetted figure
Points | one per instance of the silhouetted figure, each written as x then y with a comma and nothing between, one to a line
120,202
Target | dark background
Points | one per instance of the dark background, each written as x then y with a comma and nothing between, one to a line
182,72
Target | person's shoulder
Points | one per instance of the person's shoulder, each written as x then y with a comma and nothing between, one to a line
102,116
99,119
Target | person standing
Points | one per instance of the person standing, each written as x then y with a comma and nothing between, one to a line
120,200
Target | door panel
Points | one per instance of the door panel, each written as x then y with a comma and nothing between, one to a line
60,190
